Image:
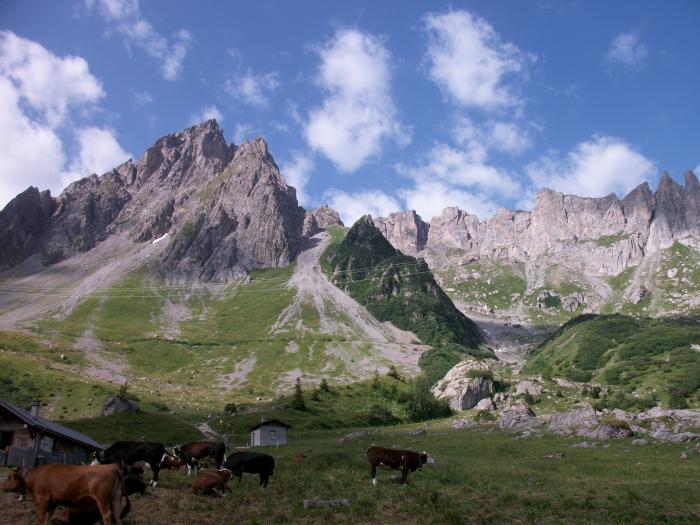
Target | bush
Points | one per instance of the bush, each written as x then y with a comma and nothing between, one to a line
378,414
421,404
475,373
393,372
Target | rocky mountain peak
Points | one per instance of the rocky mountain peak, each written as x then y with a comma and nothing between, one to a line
326,216
405,230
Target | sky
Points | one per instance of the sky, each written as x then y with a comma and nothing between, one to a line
372,107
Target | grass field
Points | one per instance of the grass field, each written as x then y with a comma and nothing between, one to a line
479,477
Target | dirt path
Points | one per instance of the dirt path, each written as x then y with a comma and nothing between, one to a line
102,368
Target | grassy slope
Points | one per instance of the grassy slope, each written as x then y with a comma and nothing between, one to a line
401,289
479,478
650,358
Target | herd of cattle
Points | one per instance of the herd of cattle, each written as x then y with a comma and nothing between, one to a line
100,491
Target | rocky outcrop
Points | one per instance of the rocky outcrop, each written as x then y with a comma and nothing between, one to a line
326,216
23,223
466,384
406,231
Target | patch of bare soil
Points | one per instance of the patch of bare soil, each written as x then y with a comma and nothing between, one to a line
103,368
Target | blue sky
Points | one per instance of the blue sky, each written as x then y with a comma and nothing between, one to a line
373,107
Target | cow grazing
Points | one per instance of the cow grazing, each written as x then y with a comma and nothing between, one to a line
80,487
405,460
130,452
212,483
298,458
191,453
252,463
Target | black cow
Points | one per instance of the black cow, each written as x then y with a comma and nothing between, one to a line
253,463
130,452
405,460
193,451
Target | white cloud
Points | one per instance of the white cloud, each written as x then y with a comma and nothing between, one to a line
297,174
627,50
594,168
207,113
253,89
469,61
141,98
352,206
30,153
98,153
464,169
504,136
358,113
125,18
48,84
40,94
242,132
429,198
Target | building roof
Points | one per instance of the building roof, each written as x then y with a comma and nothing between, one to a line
270,423
51,427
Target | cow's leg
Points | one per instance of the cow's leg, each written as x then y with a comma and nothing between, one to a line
42,509
156,471
264,478
106,513
373,472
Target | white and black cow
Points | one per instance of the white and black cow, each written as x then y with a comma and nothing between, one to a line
253,463
190,453
404,460
130,452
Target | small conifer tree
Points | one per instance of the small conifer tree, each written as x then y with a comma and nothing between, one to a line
298,397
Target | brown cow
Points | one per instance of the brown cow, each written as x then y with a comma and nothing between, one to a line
212,483
194,451
74,486
171,462
405,460
298,458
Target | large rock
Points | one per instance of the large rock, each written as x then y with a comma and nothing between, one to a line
464,385
406,231
528,388
518,417
326,216
119,405
567,422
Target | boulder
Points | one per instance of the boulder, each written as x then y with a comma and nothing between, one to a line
528,387
486,405
566,422
462,391
119,405
605,432
518,417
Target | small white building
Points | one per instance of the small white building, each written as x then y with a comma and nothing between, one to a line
269,433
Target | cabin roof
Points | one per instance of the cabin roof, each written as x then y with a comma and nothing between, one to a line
51,427
270,423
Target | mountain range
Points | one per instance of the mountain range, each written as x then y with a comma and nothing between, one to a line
195,265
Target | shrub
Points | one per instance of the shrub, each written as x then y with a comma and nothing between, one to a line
421,404
475,373
393,372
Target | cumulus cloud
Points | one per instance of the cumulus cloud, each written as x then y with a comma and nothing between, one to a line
627,50
594,168
357,114
125,18
296,172
253,89
353,205
207,113
505,136
39,95
430,197
470,62
98,152
48,84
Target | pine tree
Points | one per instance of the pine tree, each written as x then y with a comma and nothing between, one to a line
324,386
298,397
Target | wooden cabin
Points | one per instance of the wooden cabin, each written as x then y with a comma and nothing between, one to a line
27,439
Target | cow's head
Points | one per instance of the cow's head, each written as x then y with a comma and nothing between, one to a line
14,482
225,473
177,452
426,458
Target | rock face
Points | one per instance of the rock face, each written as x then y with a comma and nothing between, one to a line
406,231
602,236
226,209
23,223
326,216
